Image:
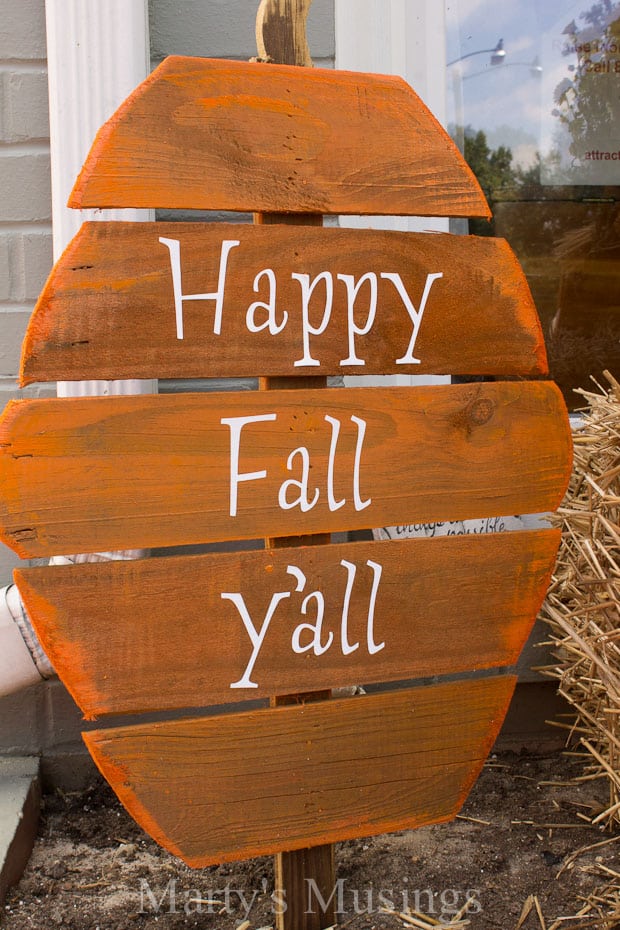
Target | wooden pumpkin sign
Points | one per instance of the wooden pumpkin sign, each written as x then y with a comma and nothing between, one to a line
175,635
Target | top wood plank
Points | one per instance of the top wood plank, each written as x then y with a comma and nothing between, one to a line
228,135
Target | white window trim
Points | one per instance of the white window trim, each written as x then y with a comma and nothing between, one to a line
407,38
403,37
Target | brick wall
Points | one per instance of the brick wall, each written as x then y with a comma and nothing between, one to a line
25,205
42,719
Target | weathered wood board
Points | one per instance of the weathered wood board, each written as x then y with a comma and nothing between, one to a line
124,301
275,138
216,789
255,624
92,474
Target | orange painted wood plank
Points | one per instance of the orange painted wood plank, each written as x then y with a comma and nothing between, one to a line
231,135
112,630
109,311
93,474
215,789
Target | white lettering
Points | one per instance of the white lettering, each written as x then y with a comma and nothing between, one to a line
256,638
174,247
313,889
302,501
270,306
361,432
307,290
169,891
373,647
315,628
297,573
262,314
333,503
347,648
353,289
416,315
308,636
236,424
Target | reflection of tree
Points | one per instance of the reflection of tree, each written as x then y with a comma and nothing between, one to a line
584,335
498,176
586,103
492,167
567,240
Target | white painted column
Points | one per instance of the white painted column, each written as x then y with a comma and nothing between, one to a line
97,53
404,37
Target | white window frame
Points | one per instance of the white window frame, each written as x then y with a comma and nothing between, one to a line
406,38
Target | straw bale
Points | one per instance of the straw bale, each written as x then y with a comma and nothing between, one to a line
582,607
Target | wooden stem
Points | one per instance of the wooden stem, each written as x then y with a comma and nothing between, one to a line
304,878
281,37
281,32
305,883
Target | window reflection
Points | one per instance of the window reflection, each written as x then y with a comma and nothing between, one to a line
538,125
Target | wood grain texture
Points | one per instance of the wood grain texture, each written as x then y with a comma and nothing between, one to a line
229,135
215,789
111,628
108,308
281,28
281,32
93,474
293,871
84,475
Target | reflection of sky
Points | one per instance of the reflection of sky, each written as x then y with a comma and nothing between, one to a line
511,105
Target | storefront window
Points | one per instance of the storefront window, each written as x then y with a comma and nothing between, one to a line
534,102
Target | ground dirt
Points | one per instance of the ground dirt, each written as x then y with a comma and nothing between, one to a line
93,869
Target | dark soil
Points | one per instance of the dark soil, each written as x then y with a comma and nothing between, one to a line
93,869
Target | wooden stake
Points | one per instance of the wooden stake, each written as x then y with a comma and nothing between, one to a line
281,32
281,38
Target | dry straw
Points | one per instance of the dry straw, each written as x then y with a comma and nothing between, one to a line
583,603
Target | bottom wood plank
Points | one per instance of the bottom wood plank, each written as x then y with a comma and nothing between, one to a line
216,789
